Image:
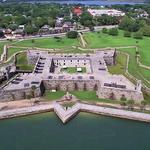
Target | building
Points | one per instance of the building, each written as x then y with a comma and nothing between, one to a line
109,12
77,11
49,74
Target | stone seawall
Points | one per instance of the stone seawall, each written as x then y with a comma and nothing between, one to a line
67,114
5,114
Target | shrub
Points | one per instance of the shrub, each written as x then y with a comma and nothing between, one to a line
32,41
127,34
138,35
104,30
72,34
113,31
123,98
146,31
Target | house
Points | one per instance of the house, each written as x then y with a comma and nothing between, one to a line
77,11
109,12
18,33
8,34
45,29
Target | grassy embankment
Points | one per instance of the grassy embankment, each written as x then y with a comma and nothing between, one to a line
81,95
22,63
53,95
100,40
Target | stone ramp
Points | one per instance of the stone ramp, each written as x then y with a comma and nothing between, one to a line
66,115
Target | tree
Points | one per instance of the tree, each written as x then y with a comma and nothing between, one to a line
1,34
29,29
122,103
32,41
130,104
143,104
146,31
13,27
128,24
33,88
91,28
138,35
107,20
127,34
123,98
72,34
86,19
113,32
104,30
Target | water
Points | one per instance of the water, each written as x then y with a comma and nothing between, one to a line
85,132
88,2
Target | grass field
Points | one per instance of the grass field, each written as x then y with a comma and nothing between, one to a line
90,96
101,40
81,95
120,66
73,70
2,43
22,63
11,51
49,43
53,95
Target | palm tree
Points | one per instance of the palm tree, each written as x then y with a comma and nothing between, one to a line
123,104
143,104
33,88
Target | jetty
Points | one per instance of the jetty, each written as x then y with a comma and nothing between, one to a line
67,113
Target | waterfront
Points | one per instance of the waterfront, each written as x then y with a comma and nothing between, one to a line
88,2
85,131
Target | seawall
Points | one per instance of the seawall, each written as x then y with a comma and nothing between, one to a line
66,115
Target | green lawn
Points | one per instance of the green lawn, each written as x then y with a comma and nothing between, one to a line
11,51
53,95
134,69
73,70
48,43
91,96
101,40
120,66
22,63
2,43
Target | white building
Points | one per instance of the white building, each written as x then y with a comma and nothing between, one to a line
109,12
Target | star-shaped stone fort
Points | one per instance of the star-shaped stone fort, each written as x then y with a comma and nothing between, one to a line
70,72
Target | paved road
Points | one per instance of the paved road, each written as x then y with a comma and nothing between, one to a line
97,28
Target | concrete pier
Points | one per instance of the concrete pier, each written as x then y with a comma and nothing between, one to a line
66,115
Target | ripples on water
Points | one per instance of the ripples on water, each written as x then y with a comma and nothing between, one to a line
84,132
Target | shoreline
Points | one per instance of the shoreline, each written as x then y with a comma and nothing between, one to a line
67,114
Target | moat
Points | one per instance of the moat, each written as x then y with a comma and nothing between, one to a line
85,131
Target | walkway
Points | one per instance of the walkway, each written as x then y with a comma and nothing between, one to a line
66,115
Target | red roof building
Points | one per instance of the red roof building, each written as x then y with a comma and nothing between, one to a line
77,10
